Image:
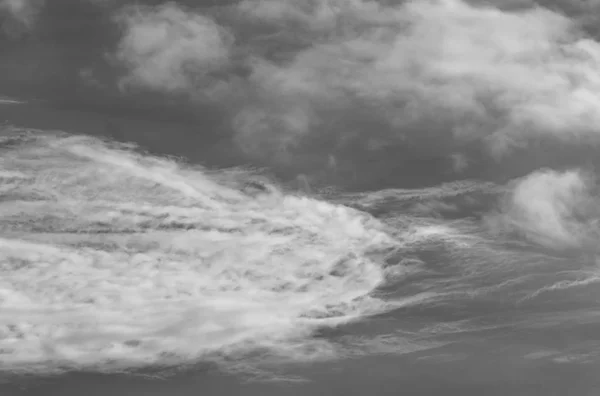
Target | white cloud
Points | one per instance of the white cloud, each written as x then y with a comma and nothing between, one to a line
505,77
170,49
432,75
553,209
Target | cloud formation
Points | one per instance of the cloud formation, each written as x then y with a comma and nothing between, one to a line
558,210
505,77
433,75
170,49
334,86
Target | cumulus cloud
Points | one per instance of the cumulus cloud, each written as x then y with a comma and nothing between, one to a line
390,80
472,72
554,209
168,48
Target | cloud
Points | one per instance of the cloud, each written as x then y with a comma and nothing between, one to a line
364,83
167,48
358,87
469,72
554,209
21,15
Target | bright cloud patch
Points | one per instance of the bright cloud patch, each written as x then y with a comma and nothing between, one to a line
166,48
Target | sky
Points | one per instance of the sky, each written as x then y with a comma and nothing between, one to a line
492,89
405,101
